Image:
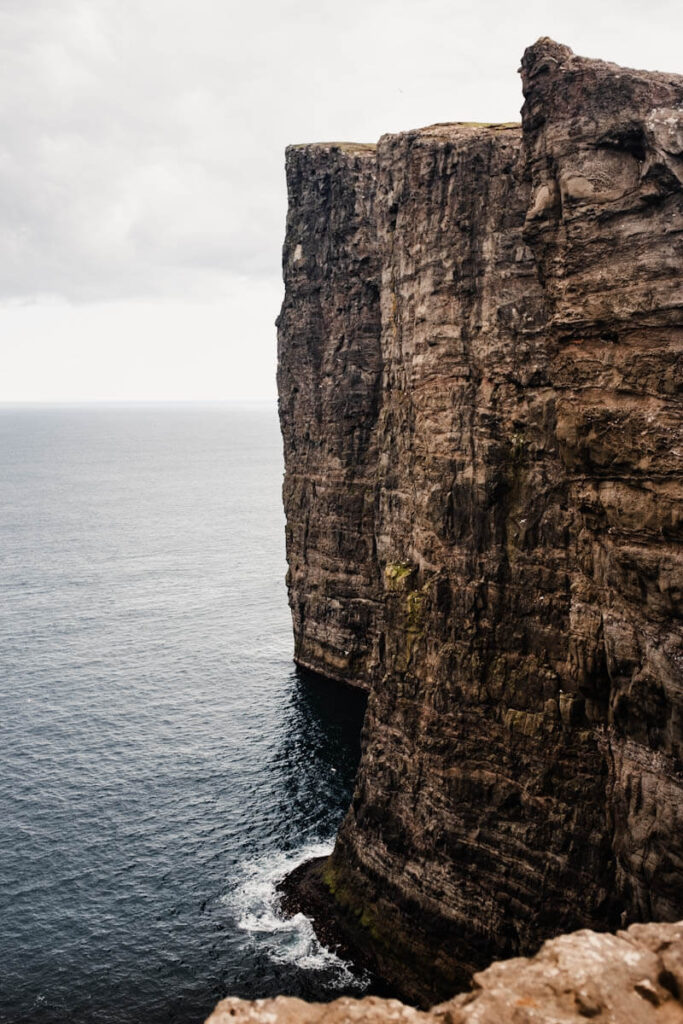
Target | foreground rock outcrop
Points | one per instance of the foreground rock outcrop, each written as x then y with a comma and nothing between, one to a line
480,382
633,977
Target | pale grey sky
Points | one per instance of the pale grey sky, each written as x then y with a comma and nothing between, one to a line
142,197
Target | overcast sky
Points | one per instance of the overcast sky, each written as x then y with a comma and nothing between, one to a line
142,198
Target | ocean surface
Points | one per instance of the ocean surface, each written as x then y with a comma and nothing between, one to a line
162,764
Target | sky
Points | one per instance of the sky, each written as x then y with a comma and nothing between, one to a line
142,193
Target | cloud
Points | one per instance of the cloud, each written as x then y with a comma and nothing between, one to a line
142,140
129,165
143,350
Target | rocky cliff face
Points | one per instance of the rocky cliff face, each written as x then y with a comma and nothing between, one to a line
480,387
634,977
329,379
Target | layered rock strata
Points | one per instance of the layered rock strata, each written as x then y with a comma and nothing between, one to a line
329,377
480,389
633,977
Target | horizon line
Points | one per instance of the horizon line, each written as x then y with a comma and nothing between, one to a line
23,402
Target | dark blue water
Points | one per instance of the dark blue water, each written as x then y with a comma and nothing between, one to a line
161,763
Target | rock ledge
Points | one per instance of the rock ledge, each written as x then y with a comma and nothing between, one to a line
633,977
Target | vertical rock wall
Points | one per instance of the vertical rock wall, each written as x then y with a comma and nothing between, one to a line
605,157
519,536
329,367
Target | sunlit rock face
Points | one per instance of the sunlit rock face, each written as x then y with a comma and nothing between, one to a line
480,387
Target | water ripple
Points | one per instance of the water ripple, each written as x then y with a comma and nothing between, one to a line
156,749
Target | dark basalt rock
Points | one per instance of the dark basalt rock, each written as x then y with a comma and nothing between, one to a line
329,366
480,389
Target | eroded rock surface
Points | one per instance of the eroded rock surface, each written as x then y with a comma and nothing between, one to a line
633,977
329,368
480,386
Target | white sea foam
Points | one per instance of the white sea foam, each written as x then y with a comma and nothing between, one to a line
256,904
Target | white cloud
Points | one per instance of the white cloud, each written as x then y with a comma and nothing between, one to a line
144,350
141,153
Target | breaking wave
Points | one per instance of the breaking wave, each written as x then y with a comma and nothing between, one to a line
256,904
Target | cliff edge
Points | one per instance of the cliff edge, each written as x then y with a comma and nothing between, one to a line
480,384
633,977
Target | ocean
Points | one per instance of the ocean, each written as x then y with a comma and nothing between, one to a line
162,763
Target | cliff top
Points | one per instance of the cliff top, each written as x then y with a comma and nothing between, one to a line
546,54
444,130
456,130
344,147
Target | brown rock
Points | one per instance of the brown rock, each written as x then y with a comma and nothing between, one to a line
329,333
617,979
480,380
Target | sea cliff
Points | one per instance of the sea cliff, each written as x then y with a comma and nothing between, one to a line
480,393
